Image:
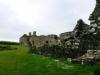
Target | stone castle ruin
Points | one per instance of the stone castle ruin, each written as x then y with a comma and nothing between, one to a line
39,40
84,39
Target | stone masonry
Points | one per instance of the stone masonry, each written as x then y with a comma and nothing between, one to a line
84,37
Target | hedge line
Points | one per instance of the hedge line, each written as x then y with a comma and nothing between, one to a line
8,43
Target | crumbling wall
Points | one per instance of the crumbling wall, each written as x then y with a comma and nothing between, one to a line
84,37
39,40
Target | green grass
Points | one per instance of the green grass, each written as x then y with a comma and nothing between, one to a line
20,62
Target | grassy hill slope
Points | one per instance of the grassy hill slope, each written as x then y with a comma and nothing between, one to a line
20,62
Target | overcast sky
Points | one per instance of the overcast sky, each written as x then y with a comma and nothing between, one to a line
44,16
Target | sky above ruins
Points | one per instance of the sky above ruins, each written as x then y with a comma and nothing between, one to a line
44,16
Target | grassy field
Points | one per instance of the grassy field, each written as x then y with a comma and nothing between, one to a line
20,62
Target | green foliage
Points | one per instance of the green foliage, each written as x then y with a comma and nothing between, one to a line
8,43
7,47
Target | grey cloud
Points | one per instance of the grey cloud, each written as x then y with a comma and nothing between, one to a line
56,16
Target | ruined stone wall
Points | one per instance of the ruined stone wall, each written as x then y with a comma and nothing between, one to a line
40,40
24,40
66,35
83,37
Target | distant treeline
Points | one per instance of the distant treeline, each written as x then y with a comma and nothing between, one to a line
8,43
